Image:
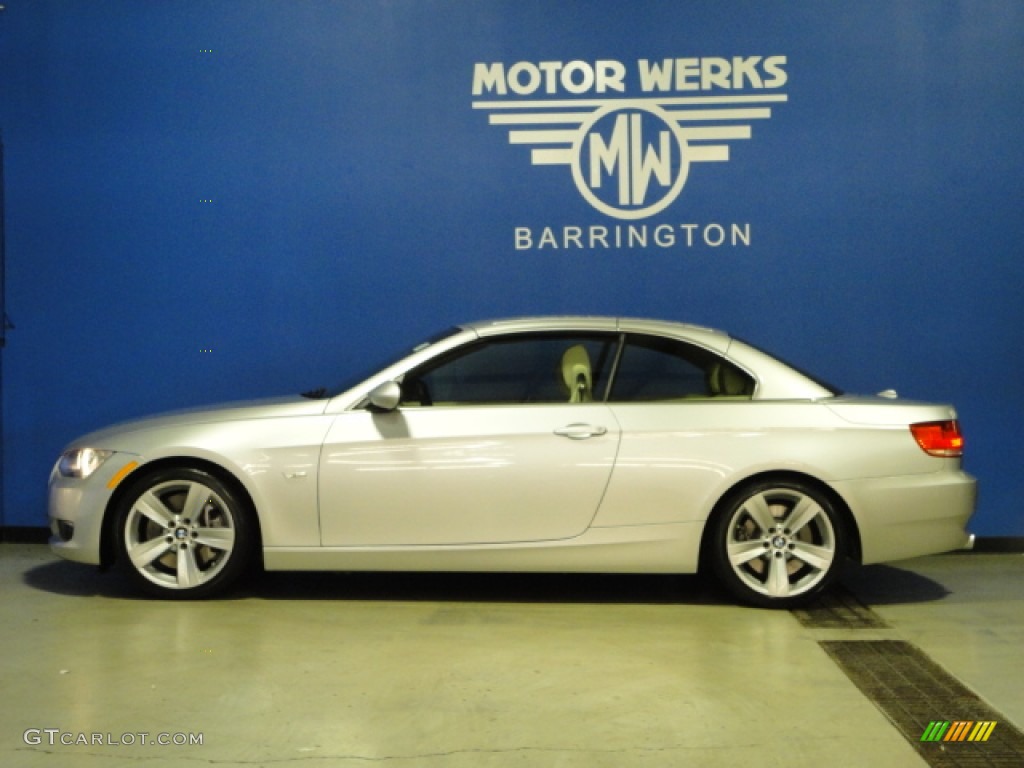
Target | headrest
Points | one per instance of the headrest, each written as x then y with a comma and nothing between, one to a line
576,374
727,380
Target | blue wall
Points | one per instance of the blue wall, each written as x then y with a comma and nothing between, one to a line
215,199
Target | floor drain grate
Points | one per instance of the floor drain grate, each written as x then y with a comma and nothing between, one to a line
948,724
839,609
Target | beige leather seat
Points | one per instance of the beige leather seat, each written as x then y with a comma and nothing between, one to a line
726,381
577,375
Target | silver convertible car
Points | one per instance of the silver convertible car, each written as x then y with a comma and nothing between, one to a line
540,444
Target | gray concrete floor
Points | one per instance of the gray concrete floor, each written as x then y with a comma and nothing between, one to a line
446,671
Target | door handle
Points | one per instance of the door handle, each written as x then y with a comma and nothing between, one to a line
581,431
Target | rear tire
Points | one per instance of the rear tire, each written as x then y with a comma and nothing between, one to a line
776,544
182,533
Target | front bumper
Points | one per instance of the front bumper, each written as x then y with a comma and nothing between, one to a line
76,509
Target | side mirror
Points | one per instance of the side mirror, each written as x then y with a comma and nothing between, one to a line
385,397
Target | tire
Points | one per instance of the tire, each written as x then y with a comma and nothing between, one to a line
182,533
777,544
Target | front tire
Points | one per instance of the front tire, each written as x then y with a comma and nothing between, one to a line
776,544
182,533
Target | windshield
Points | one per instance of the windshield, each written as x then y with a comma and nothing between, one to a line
350,381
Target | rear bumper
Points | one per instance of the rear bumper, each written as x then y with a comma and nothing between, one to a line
903,517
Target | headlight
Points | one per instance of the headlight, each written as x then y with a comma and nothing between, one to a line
82,462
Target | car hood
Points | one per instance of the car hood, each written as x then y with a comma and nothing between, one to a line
271,408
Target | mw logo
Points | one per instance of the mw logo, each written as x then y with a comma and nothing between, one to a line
620,153
629,157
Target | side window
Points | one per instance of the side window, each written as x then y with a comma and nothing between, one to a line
654,369
536,368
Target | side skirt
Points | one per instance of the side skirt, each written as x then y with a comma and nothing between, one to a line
671,548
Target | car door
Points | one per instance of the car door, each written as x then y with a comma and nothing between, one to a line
501,441
687,422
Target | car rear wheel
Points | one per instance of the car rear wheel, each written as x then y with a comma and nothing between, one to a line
776,544
183,533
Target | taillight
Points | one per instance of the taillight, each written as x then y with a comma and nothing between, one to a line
939,438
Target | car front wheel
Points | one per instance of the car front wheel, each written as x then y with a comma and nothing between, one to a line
776,544
183,533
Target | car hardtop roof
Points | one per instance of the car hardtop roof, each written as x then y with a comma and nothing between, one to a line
590,323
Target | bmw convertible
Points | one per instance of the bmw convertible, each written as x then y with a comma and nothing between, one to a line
564,444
